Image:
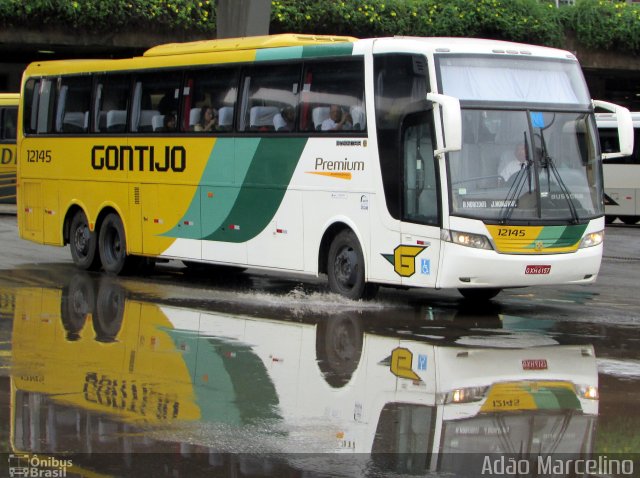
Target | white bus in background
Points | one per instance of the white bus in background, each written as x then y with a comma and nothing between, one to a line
621,173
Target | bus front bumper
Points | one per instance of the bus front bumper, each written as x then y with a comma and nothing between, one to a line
466,267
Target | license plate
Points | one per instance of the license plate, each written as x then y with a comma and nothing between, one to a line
537,270
534,364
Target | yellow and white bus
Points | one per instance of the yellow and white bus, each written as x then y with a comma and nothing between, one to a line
377,161
8,127
95,371
621,173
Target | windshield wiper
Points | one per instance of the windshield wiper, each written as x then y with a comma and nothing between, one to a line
517,185
547,162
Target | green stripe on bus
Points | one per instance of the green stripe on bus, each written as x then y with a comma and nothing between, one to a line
308,51
570,235
226,169
329,49
227,377
286,53
555,398
559,236
264,187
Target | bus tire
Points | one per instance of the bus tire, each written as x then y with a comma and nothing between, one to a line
480,294
78,302
339,342
112,245
83,243
345,268
109,310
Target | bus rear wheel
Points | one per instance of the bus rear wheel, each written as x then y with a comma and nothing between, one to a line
480,295
83,243
112,245
345,268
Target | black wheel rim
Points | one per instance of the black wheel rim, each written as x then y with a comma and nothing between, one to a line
343,343
346,267
81,240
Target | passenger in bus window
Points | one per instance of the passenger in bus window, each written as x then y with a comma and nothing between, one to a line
337,120
285,121
168,103
169,123
208,120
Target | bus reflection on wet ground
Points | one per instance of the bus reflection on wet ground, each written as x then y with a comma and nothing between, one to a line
113,376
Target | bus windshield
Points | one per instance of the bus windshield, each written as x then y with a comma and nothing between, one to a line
537,433
526,166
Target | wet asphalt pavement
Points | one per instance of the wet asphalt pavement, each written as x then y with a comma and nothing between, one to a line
220,373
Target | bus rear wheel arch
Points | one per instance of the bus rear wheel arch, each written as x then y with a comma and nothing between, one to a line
346,268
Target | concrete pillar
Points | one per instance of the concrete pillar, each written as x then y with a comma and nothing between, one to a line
242,18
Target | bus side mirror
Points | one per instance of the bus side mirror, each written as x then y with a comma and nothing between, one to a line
625,128
451,122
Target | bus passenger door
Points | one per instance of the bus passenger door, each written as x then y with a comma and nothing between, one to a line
418,261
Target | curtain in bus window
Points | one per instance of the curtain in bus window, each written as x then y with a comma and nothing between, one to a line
514,80
30,103
493,84
44,107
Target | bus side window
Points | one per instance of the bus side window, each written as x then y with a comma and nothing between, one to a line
38,104
111,103
9,117
30,102
337,85
214,89
72,106
268,91
156,97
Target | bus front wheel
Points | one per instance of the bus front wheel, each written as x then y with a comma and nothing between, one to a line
345,268
83,243
112,245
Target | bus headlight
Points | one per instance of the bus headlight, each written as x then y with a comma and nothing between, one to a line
468,239
587,391
462,395
592,239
